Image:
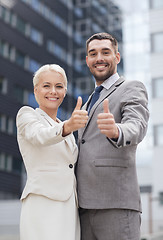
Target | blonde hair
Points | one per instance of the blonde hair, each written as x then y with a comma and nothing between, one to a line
46,68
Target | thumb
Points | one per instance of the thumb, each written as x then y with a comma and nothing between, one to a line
79,103
106,106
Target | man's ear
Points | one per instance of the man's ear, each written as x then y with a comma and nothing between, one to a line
87,61
118,57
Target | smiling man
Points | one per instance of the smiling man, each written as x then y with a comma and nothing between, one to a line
108,190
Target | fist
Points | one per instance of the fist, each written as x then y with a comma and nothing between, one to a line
77,120
106,122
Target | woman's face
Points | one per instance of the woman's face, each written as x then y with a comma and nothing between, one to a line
50,90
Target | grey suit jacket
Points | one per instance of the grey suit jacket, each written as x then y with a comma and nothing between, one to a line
106,171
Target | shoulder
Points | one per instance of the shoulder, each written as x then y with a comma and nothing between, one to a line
25,109
25,112
133,83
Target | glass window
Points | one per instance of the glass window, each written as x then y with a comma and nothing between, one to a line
19,94
157,86
3,12
3,85
5,162
2,123
20,58
78,12
156,3
9,125
33,65
2,161
32,101
2,48
21,25
36,36
16,165
158,135
157,40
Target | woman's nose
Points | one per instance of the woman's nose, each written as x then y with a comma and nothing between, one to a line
53,90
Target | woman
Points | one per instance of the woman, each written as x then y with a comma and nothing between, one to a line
49,203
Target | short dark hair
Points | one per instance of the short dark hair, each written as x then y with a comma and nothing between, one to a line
101,36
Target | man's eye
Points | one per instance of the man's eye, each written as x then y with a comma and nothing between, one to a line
106,53
92,54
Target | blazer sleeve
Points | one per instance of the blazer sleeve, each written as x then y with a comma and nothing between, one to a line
31,128
134,114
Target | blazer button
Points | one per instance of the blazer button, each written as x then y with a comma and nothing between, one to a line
128,142
82,141
70,166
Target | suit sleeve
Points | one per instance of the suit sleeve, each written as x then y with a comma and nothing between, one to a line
134,114
33,130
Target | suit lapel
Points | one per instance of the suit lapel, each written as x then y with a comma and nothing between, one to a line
69,140
104,94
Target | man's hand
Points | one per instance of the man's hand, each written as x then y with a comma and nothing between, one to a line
77,120
106,122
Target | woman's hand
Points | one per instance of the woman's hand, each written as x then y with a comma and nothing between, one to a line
77,120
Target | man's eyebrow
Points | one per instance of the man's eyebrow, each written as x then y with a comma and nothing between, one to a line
103,49
92,50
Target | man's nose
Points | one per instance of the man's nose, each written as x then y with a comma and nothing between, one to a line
99,57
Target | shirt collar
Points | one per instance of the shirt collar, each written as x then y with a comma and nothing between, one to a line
110,81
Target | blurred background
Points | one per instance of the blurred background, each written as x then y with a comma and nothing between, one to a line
37,32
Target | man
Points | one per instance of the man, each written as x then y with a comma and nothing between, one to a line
108,191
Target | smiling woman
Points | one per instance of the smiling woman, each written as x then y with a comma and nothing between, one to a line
49,152
50,91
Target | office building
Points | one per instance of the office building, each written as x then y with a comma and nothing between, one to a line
33,33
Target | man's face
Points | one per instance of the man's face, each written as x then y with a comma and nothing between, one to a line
102,59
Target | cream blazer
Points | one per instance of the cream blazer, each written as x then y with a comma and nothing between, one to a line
49,158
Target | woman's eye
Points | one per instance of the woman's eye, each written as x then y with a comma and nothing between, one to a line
59,86
46,86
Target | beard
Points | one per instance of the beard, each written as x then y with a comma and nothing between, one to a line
102,76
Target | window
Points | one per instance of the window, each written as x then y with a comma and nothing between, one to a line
20,58
158,135
33,65
156,42
16,165
84,26
48,14
56,50
156,3
84,84
24,96
9,163
2,47
21,25
7,124
2,123
36,36
3,85
5,162
157,86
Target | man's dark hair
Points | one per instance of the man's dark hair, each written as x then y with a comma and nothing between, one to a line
101,36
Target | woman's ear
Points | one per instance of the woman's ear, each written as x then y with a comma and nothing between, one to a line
65,92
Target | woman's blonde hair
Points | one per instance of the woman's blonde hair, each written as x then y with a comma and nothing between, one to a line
49,67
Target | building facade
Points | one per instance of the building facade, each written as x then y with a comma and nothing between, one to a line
37,32
143,57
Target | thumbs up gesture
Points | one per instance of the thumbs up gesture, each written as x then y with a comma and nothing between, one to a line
106,122
77,120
